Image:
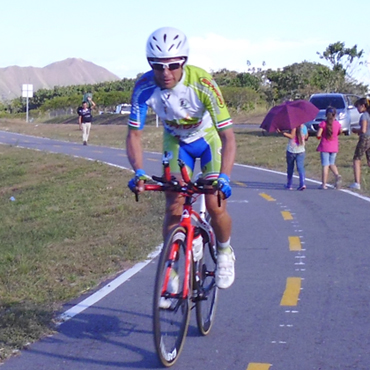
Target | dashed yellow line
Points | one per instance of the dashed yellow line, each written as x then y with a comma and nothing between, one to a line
256,366
291,293
240,183
267,197
295,243
286,215
152,159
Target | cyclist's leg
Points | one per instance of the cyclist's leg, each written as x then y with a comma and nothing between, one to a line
174,202
220,218
211,166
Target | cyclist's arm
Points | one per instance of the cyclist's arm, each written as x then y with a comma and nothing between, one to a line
134,149
228,150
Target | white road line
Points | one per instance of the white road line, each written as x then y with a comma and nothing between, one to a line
107,289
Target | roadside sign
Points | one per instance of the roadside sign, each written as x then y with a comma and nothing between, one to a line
27,91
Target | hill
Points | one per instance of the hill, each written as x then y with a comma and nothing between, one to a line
71,71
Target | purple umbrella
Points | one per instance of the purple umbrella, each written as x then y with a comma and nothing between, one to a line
289,115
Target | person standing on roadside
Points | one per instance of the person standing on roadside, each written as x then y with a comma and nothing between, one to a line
295,154
363,145
85,119
328,133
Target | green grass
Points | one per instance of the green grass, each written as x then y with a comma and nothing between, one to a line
71,225
69,228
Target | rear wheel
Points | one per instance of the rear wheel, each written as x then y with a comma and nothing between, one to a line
208,295
171,310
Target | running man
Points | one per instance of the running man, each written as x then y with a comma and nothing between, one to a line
196,124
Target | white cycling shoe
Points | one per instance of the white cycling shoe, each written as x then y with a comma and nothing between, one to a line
173,287
225,272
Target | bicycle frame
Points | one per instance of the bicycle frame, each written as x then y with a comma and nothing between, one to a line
193,272
189,191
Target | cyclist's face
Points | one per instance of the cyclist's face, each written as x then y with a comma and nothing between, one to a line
167,71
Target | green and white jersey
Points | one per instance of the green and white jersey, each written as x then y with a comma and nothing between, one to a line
190,110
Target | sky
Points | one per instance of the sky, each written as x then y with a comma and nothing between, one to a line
222,34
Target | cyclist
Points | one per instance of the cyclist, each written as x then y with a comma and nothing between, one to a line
196,124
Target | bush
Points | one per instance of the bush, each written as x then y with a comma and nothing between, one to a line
241,98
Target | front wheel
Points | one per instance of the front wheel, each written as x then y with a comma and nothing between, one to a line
171,306
207,300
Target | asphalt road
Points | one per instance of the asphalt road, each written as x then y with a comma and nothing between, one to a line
300,300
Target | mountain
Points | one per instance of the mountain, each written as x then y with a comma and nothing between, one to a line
71,71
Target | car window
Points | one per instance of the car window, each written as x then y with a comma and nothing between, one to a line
322,102
352,99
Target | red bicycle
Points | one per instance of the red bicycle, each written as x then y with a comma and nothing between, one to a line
186,269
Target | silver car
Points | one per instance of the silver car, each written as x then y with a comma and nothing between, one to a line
347,113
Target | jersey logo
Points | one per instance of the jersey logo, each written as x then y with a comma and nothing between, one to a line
205,82
184,104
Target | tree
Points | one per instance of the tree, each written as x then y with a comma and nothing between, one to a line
341,58
298,80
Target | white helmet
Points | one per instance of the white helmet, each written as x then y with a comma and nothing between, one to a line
167,42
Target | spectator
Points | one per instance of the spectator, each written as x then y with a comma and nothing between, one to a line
85,119
295,153
363,145
329,145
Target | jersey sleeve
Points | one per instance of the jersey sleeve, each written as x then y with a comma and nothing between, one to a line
211,96
143,89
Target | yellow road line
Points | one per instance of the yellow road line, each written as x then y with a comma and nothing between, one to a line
292,290
256,366
153,159
295,243
239,183
97,151
267,197
286,215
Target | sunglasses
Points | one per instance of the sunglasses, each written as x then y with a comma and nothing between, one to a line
172,66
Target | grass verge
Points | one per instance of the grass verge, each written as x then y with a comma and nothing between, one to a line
67,225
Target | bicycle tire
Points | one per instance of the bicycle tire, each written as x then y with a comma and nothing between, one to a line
170,324
205,306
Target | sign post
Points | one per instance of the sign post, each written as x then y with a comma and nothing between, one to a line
27,92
